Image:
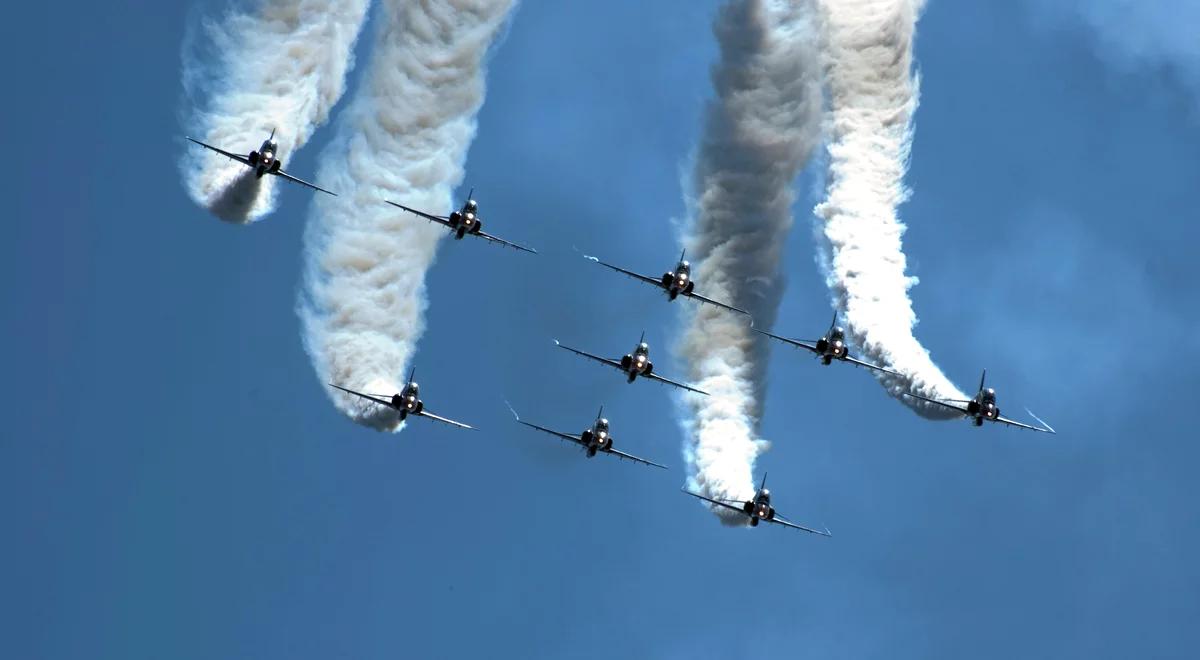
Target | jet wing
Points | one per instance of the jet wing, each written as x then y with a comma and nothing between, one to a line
443,420
382,402
637,276
635,459
668,381
940,403
780,520
238,157
294,179
561,436
868,365
611,363
441,220
723,503
718,304
501,241
793,342
1022,425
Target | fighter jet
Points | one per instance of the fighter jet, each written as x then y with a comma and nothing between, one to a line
828,348
983,407
633,364
263,161
595,439
463,222
759,509
407,402
674,283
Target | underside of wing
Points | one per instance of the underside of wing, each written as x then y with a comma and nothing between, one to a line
710,301
561,436
241,158
722,503
441,220
620,454
794,342
780,520
637,276
501,241
868,365
1022,425
668,381
380,401
443,420
597,358
296,179
951,406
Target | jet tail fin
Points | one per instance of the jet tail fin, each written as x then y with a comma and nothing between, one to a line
272,137
763,486
600,413
833,323
981,379
642,339
411,374
681,253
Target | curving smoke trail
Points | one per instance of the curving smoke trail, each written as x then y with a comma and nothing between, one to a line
758,135
404,137
281,65
872,96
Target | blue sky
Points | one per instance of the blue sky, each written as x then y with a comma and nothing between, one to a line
174,482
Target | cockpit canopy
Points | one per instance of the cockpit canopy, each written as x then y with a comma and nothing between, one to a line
838,332
602,424
684,265
764,494
643,348
471,206
989,394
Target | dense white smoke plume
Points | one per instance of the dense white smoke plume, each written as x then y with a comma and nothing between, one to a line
404,138
872,96
280,65
758,135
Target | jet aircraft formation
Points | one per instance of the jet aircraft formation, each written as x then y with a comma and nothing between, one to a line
597,438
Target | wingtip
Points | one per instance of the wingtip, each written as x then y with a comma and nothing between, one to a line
512,410
1048,428
585,256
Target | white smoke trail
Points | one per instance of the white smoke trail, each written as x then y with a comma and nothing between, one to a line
873,94
281,65
758,135
404,137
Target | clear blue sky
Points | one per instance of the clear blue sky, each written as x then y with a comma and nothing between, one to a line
174,483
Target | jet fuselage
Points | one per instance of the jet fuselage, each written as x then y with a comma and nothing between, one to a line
833,345
983,406
638,362
678,281
760,507
264,160
408,400
597,438
466,220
